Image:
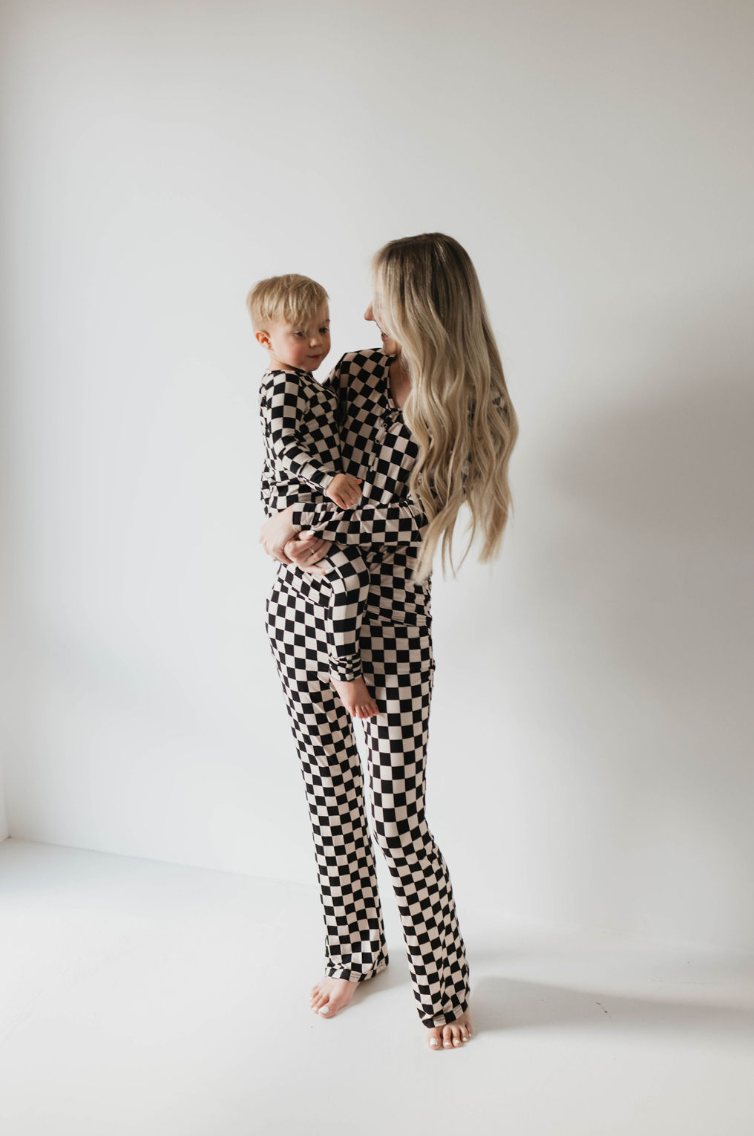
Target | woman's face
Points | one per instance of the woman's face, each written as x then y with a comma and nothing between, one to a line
389,346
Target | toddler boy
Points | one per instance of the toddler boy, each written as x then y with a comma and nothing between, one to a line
302,455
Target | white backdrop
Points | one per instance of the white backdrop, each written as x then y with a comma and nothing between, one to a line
589,755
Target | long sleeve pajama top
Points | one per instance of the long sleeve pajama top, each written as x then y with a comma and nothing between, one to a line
301,443
377,446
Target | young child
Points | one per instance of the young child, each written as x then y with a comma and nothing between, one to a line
302,455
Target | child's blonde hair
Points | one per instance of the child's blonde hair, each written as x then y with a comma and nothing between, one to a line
292,299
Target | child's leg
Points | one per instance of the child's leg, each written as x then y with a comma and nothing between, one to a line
348,577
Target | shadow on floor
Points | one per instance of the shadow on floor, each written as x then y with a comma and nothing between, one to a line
511,1004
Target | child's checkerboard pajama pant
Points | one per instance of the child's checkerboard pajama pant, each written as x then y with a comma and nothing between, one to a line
398,667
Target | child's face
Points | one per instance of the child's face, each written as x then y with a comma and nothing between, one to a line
303,346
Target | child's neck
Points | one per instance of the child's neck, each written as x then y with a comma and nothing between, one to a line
276,365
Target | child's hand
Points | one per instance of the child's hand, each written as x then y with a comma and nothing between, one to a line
344,490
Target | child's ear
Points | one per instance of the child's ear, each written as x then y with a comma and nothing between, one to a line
262,337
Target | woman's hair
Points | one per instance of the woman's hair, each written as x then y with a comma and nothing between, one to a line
292,299
429,300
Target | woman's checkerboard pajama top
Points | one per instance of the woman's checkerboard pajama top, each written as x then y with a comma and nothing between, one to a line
398,667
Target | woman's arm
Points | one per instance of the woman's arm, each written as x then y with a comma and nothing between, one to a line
401,523
366,525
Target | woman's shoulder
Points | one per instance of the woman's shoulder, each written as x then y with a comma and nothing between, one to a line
369,360
361,374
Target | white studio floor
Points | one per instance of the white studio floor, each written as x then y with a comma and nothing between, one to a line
139,997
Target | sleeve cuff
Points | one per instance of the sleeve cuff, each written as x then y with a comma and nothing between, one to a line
320,477
298,518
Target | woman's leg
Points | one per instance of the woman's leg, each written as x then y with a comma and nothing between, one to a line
355,947
397,743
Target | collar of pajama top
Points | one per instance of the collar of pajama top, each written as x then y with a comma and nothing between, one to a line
300,373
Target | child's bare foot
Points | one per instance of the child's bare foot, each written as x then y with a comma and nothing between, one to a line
356,698
451,1036
331,995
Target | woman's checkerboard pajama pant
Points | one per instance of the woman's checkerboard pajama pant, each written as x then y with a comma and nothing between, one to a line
398,669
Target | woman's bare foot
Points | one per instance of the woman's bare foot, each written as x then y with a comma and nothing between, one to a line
356,698
451,1036
331,995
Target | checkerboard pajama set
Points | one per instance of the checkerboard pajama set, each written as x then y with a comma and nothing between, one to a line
396,658
299,418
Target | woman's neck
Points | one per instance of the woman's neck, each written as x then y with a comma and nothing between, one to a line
400,381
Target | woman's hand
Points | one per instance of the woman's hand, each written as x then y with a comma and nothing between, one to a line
306,550
277,530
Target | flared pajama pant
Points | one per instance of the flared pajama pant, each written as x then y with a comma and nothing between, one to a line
398,669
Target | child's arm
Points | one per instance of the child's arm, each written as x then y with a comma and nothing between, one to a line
344,490
283,407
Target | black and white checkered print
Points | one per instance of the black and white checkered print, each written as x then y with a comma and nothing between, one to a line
299,418
399,670
377,446
395,649
301,441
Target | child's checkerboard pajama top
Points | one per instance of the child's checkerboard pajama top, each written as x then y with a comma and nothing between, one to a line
301,454
398,667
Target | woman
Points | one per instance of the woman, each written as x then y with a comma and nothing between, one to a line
428,425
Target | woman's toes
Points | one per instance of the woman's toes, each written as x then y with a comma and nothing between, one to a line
337,1004
451,1036
326,1010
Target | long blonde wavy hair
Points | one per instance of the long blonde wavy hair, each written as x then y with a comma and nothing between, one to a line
428,299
